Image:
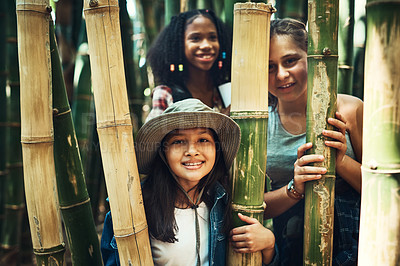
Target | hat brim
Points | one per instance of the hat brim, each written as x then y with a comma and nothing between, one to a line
150,135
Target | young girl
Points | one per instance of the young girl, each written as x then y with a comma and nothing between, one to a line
287,166
186,153
190,58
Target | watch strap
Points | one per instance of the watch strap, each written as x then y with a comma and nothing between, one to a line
292,192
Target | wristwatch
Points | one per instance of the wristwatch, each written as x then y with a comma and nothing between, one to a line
292,192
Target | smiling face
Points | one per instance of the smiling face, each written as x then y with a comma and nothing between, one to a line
201,44
190,154
287,69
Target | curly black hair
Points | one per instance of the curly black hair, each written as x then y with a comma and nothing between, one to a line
169,49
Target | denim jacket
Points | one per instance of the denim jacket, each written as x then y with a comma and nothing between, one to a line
217,238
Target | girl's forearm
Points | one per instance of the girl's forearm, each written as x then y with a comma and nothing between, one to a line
277,202
350,171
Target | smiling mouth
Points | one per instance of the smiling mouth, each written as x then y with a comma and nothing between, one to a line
192,164
206,56
286,86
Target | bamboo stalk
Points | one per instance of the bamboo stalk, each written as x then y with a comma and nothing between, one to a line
115,132
140,43
135,93
250,111
73,196
346,44
37,131
82,104
3,107
296,9
380,201
151,20
172,7
321,104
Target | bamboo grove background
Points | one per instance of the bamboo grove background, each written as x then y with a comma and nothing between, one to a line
140,22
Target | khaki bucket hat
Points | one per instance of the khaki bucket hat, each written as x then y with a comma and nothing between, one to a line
185,114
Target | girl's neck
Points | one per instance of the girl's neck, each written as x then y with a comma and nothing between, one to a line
289,108
293,116
183,202
201,87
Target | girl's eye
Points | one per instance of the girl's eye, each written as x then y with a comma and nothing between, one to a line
203,140
176,142
194,38
214,38
271,68
291,61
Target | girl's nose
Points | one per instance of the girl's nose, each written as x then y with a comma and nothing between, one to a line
191,150
205,44
282,73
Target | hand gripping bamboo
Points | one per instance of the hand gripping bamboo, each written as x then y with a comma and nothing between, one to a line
250,56
37,130
115,132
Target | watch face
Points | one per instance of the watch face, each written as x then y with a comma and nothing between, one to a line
290,185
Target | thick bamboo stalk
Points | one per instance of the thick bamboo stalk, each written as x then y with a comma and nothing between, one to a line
115,132
321,104
73,196
250,111
346,43
37,130
380,202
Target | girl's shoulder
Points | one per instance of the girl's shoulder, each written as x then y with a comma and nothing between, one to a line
350,107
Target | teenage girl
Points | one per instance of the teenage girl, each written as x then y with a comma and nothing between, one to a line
190,58
287,146
186,153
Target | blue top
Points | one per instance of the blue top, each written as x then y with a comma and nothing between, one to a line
217,243
288,227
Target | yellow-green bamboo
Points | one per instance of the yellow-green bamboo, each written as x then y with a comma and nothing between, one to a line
250,111
380,198
321,104
115,132
345,42
37,131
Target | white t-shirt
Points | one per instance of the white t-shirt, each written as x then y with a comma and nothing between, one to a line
183,252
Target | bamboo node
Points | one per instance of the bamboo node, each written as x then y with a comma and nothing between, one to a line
134,231
373,165
74,205
249,208
326,51
49,251
249,114
93,3
56,112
